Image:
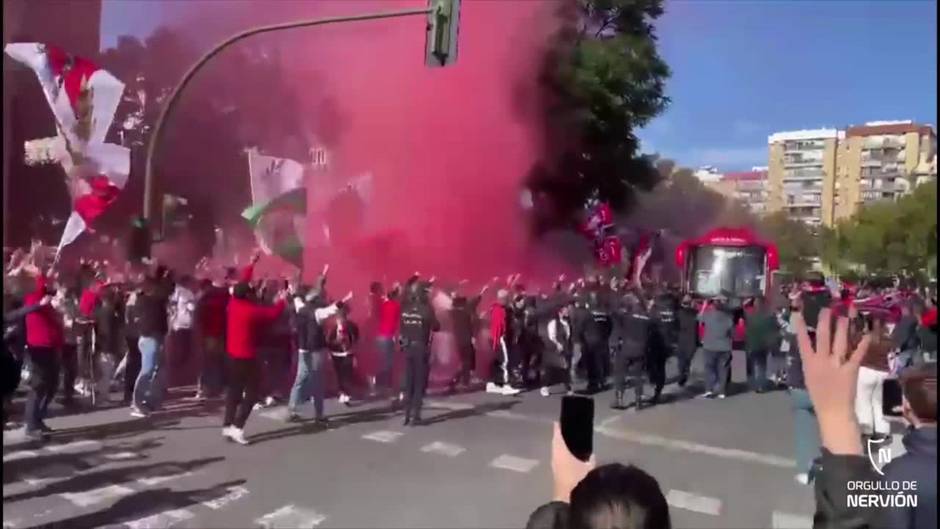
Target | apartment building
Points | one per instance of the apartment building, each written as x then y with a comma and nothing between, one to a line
882,161
801,174
748,187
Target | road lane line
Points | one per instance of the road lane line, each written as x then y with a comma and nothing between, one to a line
688,446
693,502
161,520
291,516
91,497
447,449
448,405
233,494
785,520
516,464
383,436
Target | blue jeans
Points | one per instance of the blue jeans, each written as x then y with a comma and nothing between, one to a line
757,374
386,349
806,430
717,371
309,380
148,390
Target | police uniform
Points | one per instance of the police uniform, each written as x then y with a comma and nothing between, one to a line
417,324
596,336
662,341
629,343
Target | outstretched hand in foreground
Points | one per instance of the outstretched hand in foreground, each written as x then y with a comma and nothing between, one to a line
830,371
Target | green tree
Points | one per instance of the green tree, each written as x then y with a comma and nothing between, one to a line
603,78
797,244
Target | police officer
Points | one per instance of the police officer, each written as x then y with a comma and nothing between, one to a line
630,342
662,341
417,324
596,335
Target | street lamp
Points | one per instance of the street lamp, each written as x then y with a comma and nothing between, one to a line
441,45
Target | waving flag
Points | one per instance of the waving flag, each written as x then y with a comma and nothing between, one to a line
279,205
83,99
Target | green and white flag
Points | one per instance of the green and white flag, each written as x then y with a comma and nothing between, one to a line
279,205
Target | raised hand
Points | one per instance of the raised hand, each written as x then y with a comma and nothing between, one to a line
348,297
326,270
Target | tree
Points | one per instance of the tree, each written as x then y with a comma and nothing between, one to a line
603,78
796,243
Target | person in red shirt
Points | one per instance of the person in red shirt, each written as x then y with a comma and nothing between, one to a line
45,335
246,318
387,337
211,306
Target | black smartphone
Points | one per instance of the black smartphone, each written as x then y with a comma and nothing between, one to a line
891,397
577,425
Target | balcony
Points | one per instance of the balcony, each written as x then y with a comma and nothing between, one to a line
802,162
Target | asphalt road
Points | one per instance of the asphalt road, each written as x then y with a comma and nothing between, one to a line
482,462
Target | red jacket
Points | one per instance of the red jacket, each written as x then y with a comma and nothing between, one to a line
497,324
89,299
43,327
245,319
389,318
211,313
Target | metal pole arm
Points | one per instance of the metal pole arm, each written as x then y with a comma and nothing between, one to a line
158,131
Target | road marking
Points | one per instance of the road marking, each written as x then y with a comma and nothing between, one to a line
785,520
91,497
121,456
161,519
688,446
448,405
516,464
506,414
76,446
447,449
22,454
383,436
38,482
156,480
277,413
234,494
10,524
693,502
608,421
291,516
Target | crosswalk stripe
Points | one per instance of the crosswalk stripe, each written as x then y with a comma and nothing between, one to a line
121,456
785,520
447,449
161,519
448,405
75,446
156,480
516,464
233,494
383,436
21,454
91,497
291,516
693,502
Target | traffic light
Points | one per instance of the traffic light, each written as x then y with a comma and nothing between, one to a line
139,240
443,22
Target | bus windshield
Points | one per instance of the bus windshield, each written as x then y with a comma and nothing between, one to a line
730,271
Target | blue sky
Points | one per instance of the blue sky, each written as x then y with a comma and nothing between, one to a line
743,69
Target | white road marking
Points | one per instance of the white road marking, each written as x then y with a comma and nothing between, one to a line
156,480
161,519
688,446
693,502
608,421
506,414
291,516
447,449
91,497
448,405
383,436
516,464
76,446
233,494
38,482
277,413
22,454
10,524
785,520
121,456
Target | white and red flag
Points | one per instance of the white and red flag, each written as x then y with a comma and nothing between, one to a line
641,256
83,99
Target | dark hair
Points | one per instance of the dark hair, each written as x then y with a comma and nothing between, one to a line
920,389
616,496
375,288
241,290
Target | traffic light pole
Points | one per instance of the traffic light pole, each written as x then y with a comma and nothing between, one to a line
158,132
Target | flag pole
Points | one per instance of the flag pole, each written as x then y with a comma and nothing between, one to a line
159,128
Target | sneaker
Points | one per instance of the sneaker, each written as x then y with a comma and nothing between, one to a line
544,392
493,388
343,398
35,434
44,428
802,478
258,406
707,395
238,435
510,391
227,432
721,395
270,401
292,417
137,412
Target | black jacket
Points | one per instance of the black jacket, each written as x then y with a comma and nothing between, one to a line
310,334
918,464
417,324
152,308
687,319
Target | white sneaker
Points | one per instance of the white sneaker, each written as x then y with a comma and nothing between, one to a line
509,390
258,406
493,388
721,395
343,398
137,412
802,479
227,432
269,402
238,435
544,392
707,395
